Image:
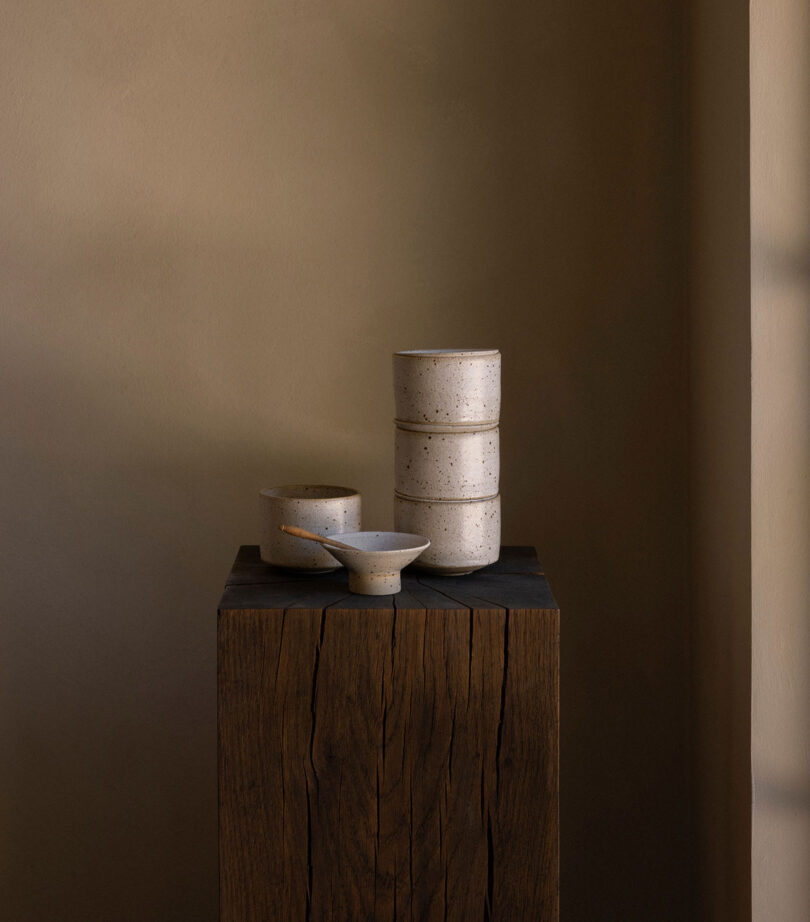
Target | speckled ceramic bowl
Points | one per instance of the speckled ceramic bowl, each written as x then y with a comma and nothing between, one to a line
323,509
440,388
374,568
464,536
447,465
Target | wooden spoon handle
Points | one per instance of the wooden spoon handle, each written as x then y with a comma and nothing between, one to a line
311,536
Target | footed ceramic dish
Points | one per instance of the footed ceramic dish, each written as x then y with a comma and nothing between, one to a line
376,559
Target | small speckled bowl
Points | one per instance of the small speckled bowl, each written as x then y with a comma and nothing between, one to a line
447,465
439,388
323,509
464,536
374,568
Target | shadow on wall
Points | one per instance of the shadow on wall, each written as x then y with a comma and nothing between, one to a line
108,670
217,227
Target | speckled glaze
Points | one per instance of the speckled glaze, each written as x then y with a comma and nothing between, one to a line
447,387
325,510
464,536
447,465
447,457
374,568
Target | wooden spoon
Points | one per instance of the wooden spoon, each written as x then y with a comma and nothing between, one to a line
311,536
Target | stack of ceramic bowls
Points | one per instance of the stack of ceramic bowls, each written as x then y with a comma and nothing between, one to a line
447,455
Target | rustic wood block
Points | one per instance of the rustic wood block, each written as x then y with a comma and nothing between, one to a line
392,757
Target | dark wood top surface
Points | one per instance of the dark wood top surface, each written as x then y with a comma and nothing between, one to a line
516,581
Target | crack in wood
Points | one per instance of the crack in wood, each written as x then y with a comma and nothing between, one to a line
443,856
424,644
377,840
339,826
382,684
410,845
313,700
404,748
450,747
308,915
441,833
393,636
469,665
384,731
442,592
490,900
483,797
281,750
338,601
503,706
464,603
280,645
494,604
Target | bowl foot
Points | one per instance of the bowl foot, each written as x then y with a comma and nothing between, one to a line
374,583
449,571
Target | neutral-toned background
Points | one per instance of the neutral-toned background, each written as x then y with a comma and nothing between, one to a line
780,458
719,313
216,222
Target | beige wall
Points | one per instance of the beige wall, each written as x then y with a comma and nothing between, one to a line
780,323
750,409
216,222
720,471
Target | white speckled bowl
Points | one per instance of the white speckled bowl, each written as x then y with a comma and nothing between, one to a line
447,465
464,536
437,388
323,509
374,568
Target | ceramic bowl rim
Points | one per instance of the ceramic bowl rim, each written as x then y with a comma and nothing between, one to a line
446,353
421,501
338,493
446,428
348,535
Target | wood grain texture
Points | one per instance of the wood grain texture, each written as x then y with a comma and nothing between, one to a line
384,759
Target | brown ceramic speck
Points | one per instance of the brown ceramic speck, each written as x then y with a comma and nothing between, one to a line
324,509
447,465
447,387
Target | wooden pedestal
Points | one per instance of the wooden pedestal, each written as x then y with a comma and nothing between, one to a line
393,757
